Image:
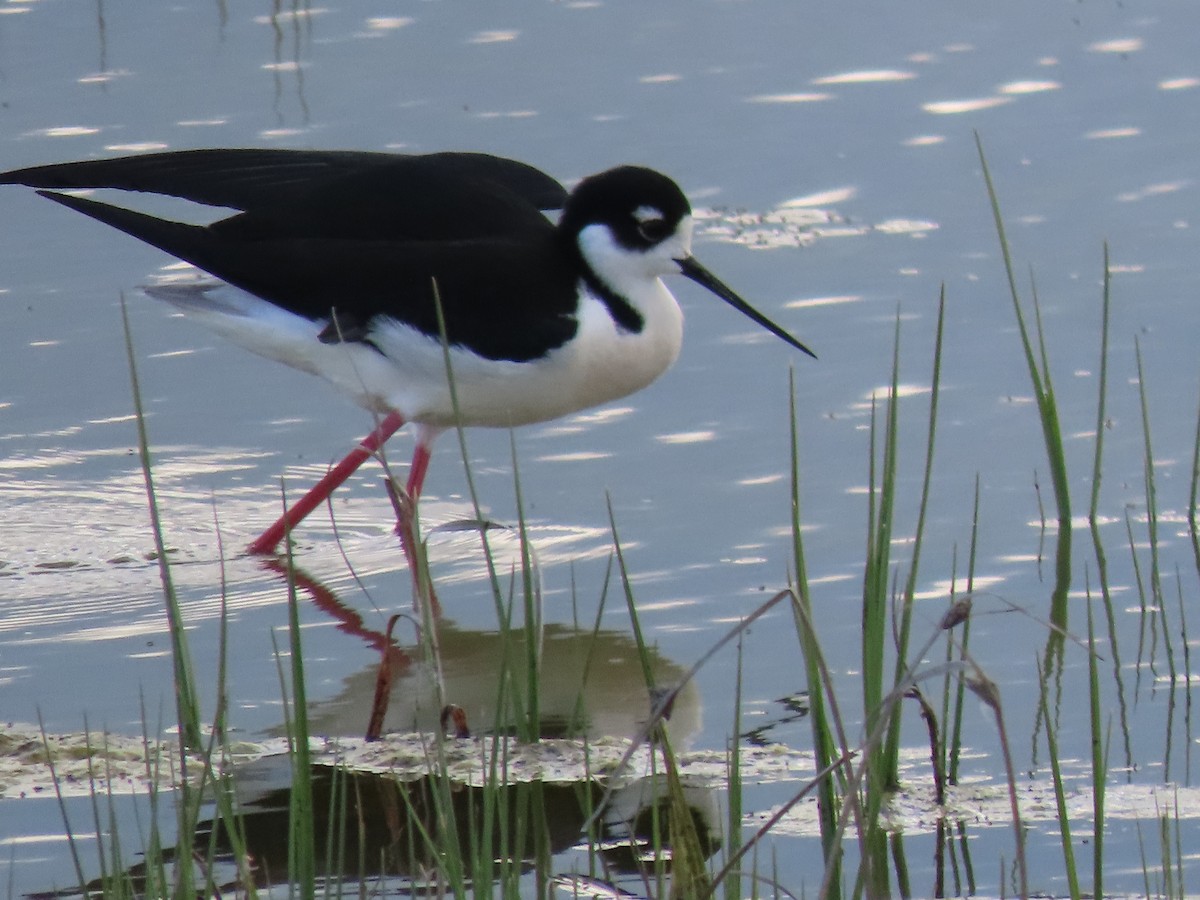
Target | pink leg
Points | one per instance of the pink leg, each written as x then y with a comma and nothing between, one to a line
406,518
266,542
405,504
420,465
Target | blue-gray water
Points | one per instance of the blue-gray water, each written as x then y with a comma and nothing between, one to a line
832,148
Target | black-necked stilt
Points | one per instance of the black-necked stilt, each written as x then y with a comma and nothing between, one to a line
333,262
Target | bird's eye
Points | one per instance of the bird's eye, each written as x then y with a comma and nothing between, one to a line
654,230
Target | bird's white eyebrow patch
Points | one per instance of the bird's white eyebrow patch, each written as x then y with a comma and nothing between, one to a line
645,214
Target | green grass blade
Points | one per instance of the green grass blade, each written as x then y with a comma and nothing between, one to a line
1099,761
892,751
530,723
1060,797
634,619
187,705
1156,589
733,793
72,843
876,605
828,802
876,574
1047,411
954,743
1098,550
302,850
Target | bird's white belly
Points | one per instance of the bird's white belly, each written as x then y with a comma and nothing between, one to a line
601,363
407,372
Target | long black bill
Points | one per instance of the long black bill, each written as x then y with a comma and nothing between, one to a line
693,270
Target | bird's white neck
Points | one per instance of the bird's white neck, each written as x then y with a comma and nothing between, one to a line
628,273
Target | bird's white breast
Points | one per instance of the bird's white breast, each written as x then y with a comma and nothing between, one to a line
601,363
407,372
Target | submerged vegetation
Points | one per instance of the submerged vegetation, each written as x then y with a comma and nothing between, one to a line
498,807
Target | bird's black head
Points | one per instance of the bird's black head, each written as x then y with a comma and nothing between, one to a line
640,207
630,226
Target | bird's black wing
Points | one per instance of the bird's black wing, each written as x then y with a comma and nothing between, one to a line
417,198
502,298
253,178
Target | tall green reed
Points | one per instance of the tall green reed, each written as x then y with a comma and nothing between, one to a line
1038,366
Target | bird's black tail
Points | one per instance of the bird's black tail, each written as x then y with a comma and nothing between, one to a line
177,238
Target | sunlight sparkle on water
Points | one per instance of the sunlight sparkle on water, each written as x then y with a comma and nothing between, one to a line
139,147
102,77
760,480
956,107
943,587
1101,134
914,227
809,302
498,36
65,131
1118,45
170,354
866,76
828,197
686,437
877,395
389,23
798,97
290,15
604,414
1153,190
578,456
1029,87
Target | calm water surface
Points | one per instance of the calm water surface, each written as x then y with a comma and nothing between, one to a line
839,137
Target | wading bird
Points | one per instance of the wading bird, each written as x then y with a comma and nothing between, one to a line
370,269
